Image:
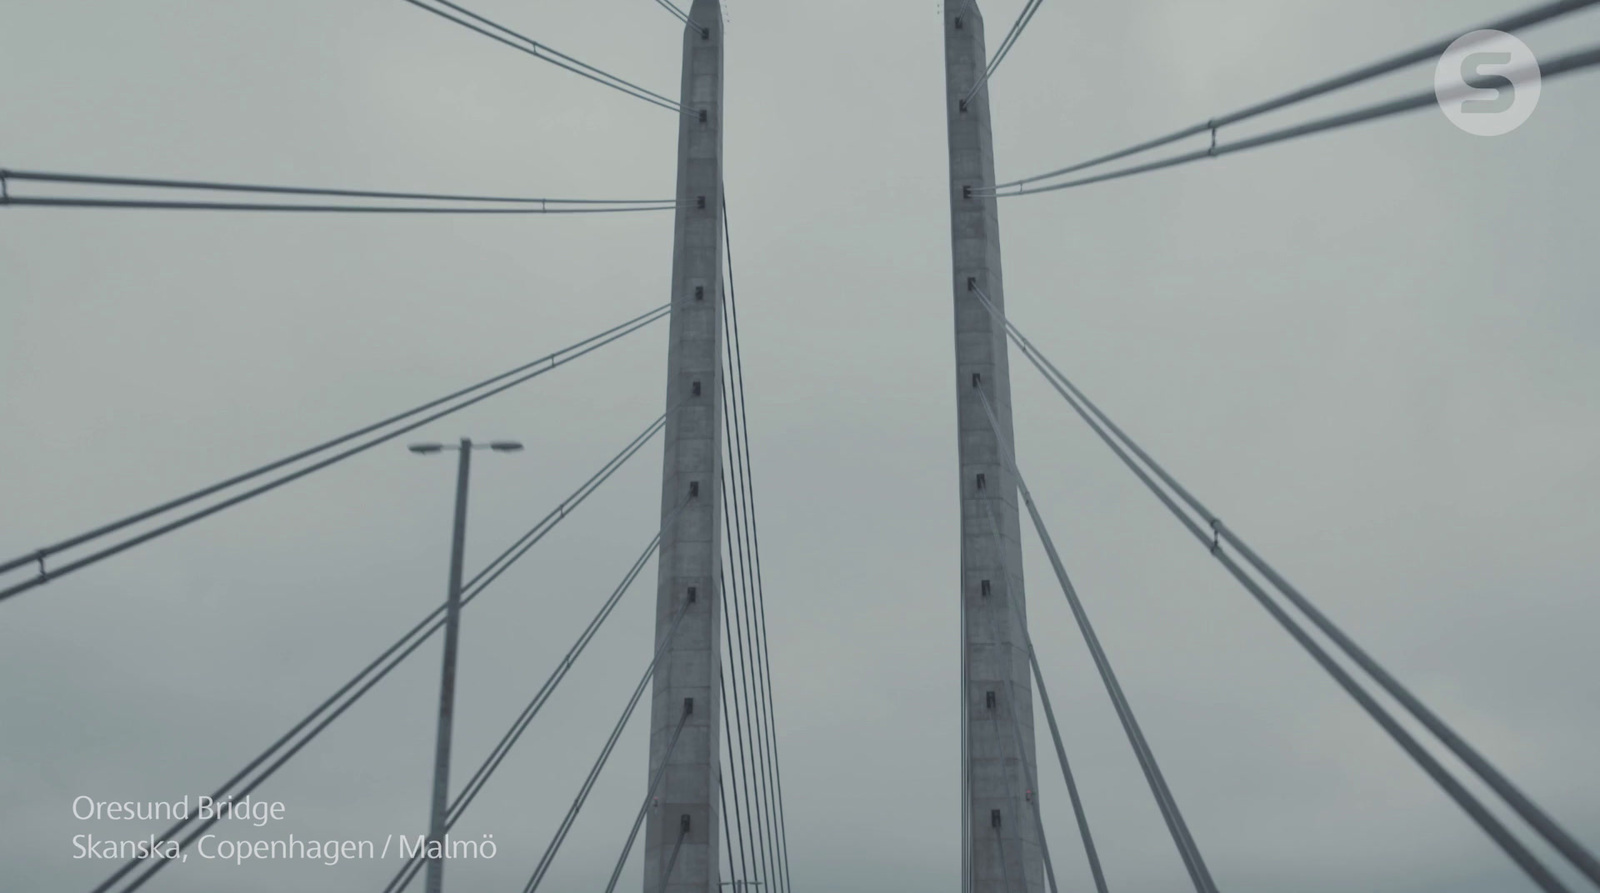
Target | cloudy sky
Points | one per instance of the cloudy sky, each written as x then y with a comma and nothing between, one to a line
1372,352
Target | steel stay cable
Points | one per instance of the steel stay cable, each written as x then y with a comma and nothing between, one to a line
1514,22
1166,803
644,808
1022,753
1033,786
1530,811
1193,861
1513,848
555,57
516,550
1000,54
1567,64
682,16
114,526
605,753
727,733
161,205
737,546
750,721
209,185
741,516
534,52
571,502
437,625
296,475
751,830
1091,853
722,797
407,873
1540,821
762,857
502,749
555,52
672,862
1078,811
677,13
194,835
745,718
1017,27
755,537
756,854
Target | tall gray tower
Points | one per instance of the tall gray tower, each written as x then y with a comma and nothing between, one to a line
1000,841
681,841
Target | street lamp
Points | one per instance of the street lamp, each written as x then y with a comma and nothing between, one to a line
452,628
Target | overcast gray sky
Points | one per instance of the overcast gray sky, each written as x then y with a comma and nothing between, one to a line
1372,352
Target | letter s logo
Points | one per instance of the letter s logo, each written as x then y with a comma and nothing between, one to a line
1488,83
1472,75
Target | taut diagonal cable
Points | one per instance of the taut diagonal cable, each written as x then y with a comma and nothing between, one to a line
649,794
524,205
1492,826
727,833
1078,811
1536,817
480,778
1539,14
1179,829
554,360
748,488
605,754
1004,49
682,16
545,53
727,734
736,532
756,806
1561,65
396,653
214,186
1011,707
672,862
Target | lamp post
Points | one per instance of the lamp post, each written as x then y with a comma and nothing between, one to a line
452,628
